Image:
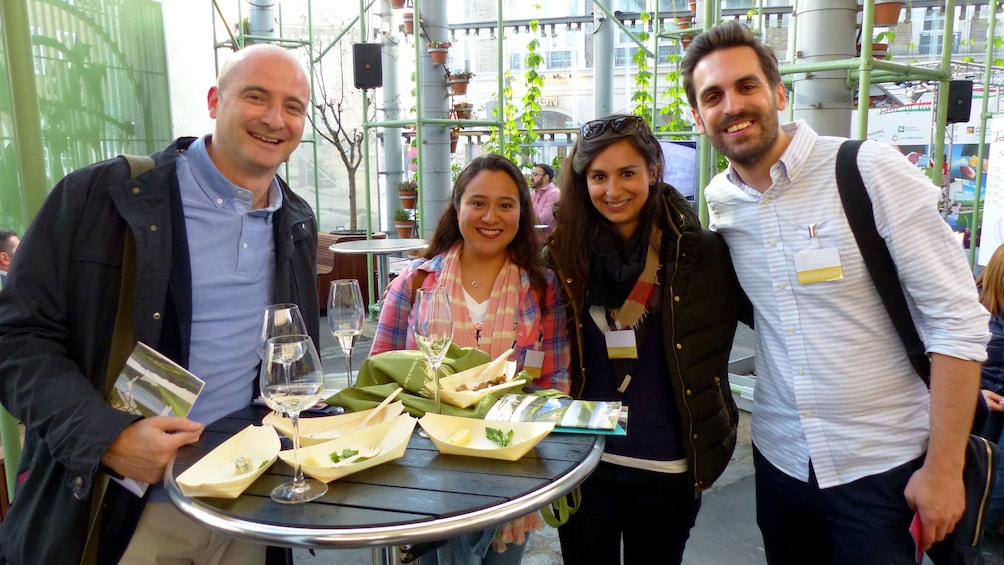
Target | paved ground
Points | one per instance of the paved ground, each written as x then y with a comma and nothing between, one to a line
725,534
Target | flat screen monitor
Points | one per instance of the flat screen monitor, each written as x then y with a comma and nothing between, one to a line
681,166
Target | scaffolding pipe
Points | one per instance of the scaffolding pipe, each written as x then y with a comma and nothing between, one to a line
822,98
603,64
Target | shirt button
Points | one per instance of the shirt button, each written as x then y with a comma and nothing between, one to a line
765,200
78,482
679,346
809,414
676,299
772,243
135,190
153,227
245,245
219,201
689,392
156,315
790,330
781,286
801,372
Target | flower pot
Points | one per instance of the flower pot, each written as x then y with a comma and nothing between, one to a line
454,139
684,22
880,50
409,22
408,198
692,6
397,4
404,228
439,55
887,13
459,85
685,40
463,111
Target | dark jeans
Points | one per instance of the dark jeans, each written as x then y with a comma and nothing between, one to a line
994,431
651,512
865,522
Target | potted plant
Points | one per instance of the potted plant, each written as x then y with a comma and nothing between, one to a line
409,22
397,4
407,190
463,110
887,12
459,81
403,223
438,51
454,139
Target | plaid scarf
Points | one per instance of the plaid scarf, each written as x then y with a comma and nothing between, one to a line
639,300
498,333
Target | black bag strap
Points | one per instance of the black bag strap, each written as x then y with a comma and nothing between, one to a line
875,252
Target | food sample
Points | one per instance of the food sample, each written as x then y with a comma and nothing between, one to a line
244,464
482,385
460,437
503,439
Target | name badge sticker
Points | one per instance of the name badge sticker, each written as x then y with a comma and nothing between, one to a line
621,344
818,265
533,362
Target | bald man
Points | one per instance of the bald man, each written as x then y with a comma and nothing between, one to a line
218,236
9,243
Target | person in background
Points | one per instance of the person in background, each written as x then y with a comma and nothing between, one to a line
645,282
545,198
849,445
9,243
990,283
484,252
218,236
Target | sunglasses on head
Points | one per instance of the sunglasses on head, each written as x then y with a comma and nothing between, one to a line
626,125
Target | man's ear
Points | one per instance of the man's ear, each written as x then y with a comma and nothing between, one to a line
698,121
213,100
782,95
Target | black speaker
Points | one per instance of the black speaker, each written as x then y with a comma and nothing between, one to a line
367,68
960,101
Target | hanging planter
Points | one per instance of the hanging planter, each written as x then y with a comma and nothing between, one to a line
685,40
439,51
880,50
454,139
403,223
684,22
692,6
397,4
887,12
463,110
409,22
407,191
459,82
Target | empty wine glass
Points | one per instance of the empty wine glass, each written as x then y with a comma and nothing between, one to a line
345,317
433,326
280,319
292,380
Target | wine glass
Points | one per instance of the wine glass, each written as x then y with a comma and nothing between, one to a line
433,326
345,317
292,380
280,319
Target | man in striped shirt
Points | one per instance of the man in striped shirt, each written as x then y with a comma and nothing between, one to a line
848,443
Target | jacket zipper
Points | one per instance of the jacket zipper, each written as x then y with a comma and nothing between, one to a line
987,480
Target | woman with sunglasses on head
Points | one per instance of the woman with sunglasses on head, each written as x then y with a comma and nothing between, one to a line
653,304
485,253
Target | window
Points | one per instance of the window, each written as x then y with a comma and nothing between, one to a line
558,59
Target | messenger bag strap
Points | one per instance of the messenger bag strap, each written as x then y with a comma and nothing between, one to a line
858,210
121,346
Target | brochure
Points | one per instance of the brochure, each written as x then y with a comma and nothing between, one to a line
591,416
150,384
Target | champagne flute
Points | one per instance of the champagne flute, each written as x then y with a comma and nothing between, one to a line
292,380
280,319
345,317
432,323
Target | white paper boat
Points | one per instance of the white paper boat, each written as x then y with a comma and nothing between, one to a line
327,428
216,474
390,437
526,435
471,378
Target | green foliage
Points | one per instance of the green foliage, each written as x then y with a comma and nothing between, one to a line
518,129
644,102
401,215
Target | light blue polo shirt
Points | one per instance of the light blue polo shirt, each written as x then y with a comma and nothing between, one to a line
232,252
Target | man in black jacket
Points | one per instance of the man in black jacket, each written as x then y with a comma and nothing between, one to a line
217,237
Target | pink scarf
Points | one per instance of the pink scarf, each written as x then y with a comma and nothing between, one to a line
498,333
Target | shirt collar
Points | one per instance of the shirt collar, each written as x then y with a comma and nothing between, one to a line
217,187
795,157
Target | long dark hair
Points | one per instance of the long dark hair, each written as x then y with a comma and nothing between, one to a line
523,249
581,222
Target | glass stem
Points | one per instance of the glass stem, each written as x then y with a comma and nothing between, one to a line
435,388
348,365
299,485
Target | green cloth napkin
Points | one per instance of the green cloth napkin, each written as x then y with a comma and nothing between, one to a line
382,374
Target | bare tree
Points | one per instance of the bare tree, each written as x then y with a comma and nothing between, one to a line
338,122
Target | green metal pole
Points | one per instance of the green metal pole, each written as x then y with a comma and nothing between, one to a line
24,105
